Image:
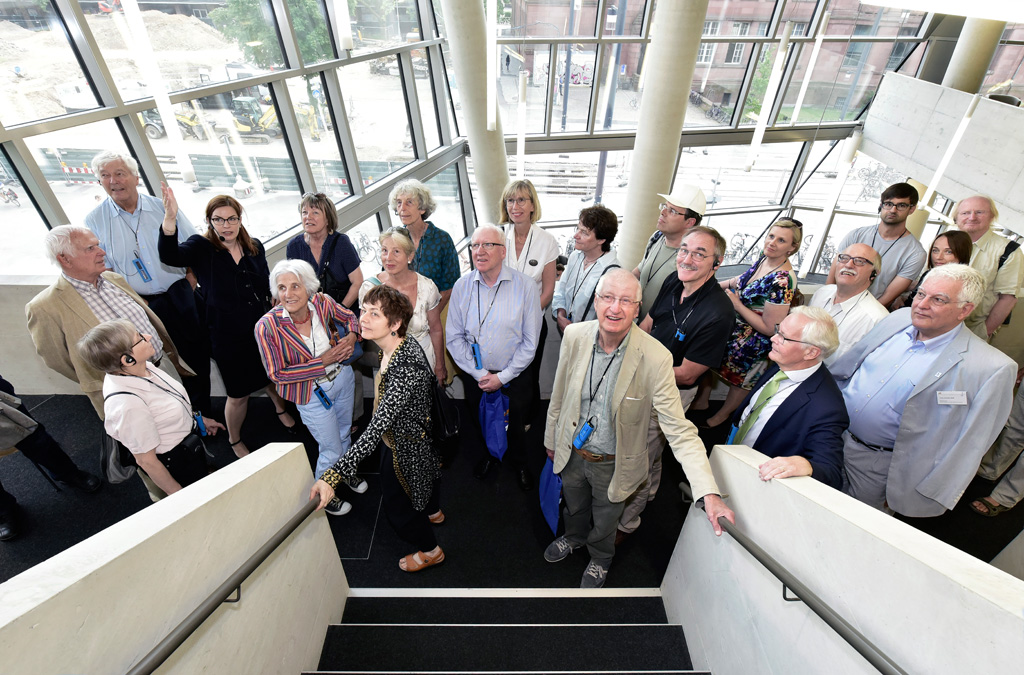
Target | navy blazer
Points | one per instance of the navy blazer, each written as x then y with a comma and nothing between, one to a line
809,423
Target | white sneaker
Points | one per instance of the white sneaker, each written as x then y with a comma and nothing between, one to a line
337,507
357,484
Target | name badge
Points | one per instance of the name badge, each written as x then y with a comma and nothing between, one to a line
952,397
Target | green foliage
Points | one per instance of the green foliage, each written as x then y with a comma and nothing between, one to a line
248,22
759,85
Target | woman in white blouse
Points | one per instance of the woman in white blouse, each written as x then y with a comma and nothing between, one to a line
574,295
396,254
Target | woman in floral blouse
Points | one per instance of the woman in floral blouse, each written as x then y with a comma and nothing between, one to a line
400,426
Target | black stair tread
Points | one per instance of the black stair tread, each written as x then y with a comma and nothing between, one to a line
505,610
420,648
631,671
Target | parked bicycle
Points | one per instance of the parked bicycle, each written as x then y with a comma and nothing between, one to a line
718,114
9,195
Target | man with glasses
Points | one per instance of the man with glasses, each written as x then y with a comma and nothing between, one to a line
1000,262
492,334
795,413
926,398
128,226
902,255
693,318
848,301
680,211
611,378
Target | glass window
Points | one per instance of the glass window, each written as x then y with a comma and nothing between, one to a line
711,28
741,28
21,228
718,170
452,94
631,24
534,60
735,53
624,77
317,129
1006,72
425,95
379,24
552,18
799,29
311,26
379,120
444,188
575,76
365,238
41,75
759,85
706,52
743,233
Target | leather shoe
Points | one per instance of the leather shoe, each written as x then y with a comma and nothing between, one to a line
485,466
620,536
8,527
84,481
525,480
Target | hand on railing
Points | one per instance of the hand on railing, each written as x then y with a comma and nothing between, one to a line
715,508
322,492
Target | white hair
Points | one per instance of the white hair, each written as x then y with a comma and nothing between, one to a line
819,329
413,188
618,273
109,157
488,227
972,283
58,240
303,271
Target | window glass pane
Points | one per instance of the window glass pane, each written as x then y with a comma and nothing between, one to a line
444,187
365,237
1006,72
41,76
631,23
743,232
623,67
553,18
425,94
854,18
718,170
21,228
379,24
534,61
759,86
318,136
574,76
453,94
379,120
716,85
311,30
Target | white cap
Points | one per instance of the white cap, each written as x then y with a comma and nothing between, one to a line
686,196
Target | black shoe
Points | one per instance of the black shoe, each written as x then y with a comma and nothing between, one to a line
485,466
84,481
525,480
8,527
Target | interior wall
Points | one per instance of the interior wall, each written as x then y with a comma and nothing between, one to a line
100,606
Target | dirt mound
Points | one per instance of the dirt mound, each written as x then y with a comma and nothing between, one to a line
167,32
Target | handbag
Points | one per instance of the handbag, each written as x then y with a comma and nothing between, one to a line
550,491
116,461
328,284
494,422
444,415
14,424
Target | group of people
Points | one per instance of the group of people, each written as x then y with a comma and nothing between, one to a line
896,409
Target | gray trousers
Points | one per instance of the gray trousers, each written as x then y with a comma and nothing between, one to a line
865,473
637,502
1002,455
585,490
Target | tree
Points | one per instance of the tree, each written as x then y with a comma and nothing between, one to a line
759,85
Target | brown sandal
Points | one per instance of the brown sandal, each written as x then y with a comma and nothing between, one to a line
414,562
437,518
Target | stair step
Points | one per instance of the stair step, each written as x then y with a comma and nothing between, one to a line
381,648
477,610
631,671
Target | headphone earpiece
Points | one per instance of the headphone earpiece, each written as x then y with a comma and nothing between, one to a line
129,359
879,208
874,274
718,262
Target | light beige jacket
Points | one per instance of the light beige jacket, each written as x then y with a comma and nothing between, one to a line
645,382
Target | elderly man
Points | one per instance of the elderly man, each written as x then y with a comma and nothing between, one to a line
680,211
492,334
902,255
693,317
796,414
82,297
848,300
1000,262
926,398
128,226
611,377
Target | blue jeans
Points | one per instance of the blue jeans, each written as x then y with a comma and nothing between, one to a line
331,428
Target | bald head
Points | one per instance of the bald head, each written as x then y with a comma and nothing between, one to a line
856,274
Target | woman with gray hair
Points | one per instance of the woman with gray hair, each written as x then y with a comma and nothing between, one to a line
144,409
304,342
435,253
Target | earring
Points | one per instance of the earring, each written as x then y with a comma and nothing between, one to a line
393,333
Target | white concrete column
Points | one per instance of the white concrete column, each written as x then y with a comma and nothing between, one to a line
675,41
464,24
919,218
974,51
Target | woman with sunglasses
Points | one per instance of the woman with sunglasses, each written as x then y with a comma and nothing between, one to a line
234,283
330,252
435,253
397,255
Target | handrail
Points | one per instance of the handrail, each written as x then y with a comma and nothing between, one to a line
841,626
155,658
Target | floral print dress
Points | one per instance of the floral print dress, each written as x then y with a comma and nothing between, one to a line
747,356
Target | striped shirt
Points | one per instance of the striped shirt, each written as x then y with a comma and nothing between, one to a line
504,320
108,302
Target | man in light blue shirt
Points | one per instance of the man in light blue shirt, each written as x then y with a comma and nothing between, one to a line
128,226
926,398
495,312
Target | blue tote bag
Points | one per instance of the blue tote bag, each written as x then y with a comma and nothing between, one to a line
550,489
494,422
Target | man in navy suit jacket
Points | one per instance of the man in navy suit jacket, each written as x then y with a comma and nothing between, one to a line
801,425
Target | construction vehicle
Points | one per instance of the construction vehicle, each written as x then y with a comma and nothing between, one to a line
190,124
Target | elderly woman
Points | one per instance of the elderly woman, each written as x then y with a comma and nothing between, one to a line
329,252
231,268
436,258
304,342
574,295
144,408
396,256
401,428
761,297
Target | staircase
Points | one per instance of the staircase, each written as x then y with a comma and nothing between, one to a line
592,634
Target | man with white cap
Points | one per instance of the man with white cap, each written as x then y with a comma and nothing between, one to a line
680,211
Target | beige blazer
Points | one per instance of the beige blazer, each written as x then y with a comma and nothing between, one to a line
58,318
645,382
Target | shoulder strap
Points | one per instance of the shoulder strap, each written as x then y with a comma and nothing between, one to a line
126,393
326,258
590,303
1007,252
658,234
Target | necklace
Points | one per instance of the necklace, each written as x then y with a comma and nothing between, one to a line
651,270
882,255
309,317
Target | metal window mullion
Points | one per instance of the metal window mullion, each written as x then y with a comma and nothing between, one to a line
602,15
134,133
595,86
289,122
796,50
789,192
428,20
35,183
412,105
748,78
549,106
343,131
87,50
439,78
333,28
285,29
465,196
776,21
645,27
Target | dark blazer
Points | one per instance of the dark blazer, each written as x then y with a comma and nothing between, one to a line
809,423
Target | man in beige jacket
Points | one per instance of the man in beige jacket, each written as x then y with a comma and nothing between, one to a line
610,376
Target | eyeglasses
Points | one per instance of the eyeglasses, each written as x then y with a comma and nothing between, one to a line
937,300
517,201
889,206
397,228
623,302
142,338
487,246
976,214
217,220
857,260
664,206
697,256
786,339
